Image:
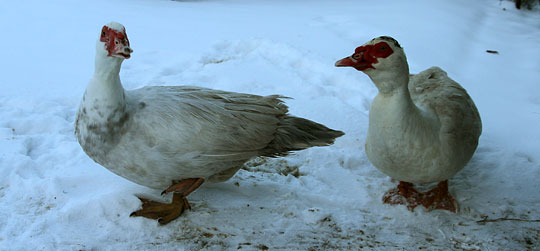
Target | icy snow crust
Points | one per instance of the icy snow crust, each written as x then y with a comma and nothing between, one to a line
53,197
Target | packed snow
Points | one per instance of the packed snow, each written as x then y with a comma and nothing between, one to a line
54,197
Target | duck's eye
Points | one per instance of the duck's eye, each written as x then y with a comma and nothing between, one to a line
102,33
356,56
383,48
116,41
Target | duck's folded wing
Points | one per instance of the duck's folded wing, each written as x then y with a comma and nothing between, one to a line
217,124
459,117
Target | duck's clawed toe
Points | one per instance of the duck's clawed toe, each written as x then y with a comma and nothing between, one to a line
167,212
163,212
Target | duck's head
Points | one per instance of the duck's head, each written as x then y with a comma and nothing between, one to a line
113,41
379,58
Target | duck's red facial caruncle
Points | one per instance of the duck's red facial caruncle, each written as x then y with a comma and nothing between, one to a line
116,42
366,56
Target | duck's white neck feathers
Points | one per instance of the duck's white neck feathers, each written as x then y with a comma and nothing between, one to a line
105,88
394,109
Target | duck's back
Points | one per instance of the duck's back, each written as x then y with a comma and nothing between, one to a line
460,122
206,119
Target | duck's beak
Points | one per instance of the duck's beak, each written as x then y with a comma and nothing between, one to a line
123,52
348,61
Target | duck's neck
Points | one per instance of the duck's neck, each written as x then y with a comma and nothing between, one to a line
105,94
394,101
393,88
107,68
394,112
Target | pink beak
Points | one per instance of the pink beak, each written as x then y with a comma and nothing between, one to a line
348,61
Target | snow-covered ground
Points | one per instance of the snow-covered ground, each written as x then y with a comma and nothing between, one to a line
53,197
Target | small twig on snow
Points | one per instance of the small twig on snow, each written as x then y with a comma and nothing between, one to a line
485,220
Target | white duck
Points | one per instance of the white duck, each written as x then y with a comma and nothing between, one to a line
422,128
176,137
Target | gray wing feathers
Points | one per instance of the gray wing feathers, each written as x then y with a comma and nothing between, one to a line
224,125
459,117
295,133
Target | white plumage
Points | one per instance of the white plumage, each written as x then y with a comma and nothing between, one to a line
156,135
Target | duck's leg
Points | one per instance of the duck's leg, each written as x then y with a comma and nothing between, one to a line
436,198
166,212
439,198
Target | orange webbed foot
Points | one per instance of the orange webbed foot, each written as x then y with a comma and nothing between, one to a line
436,198
167,212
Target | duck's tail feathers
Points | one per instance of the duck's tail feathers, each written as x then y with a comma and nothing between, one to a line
295,133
